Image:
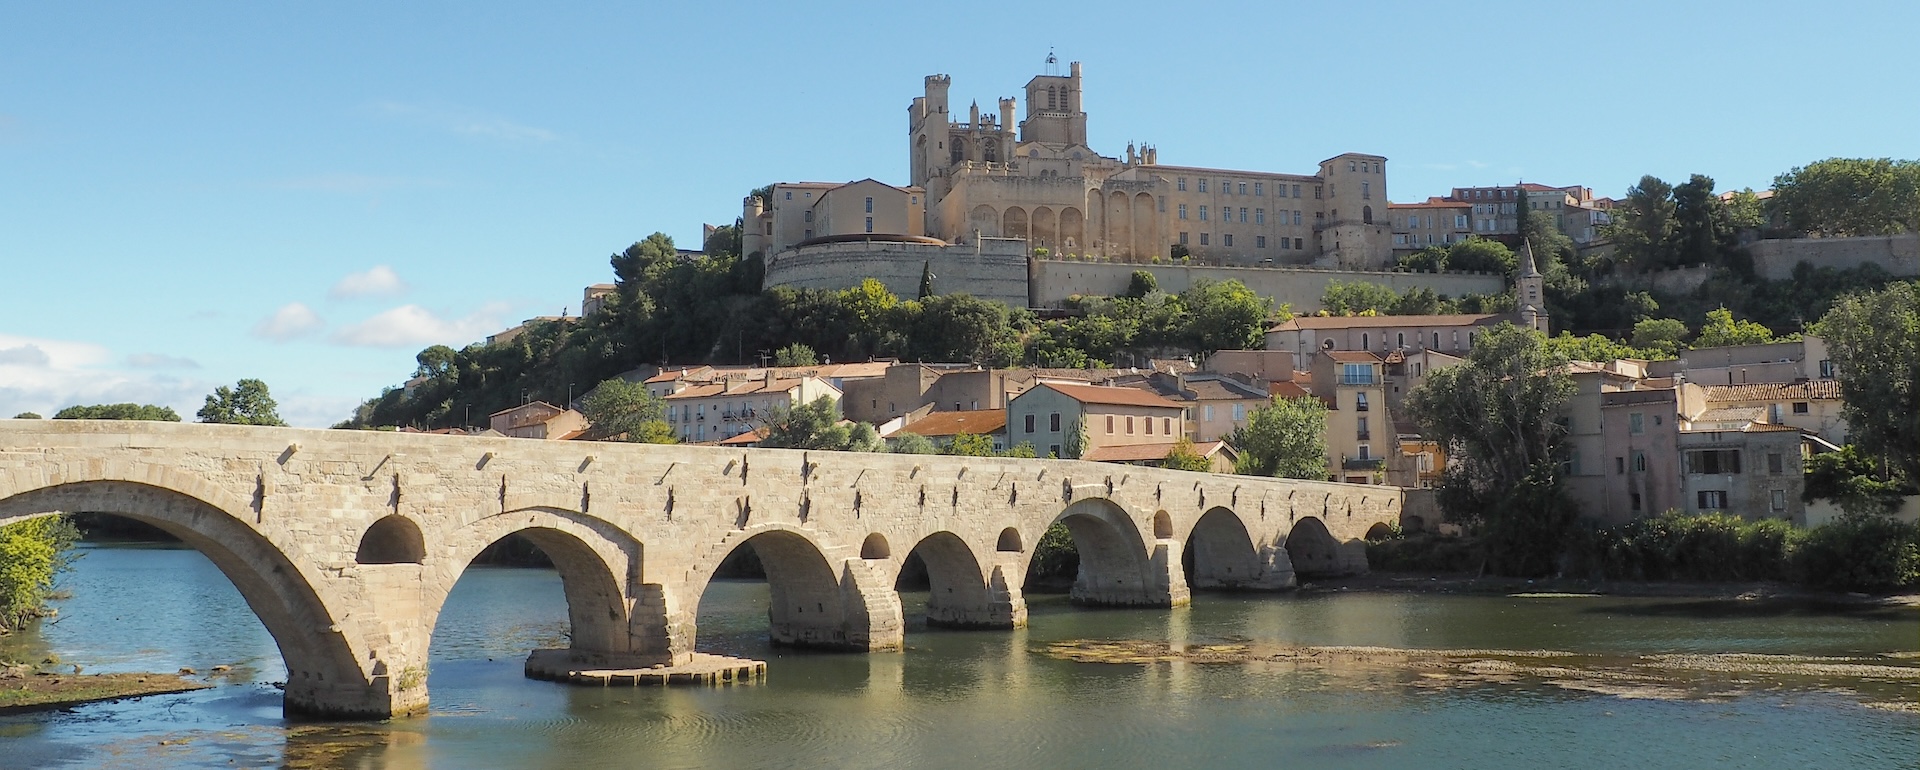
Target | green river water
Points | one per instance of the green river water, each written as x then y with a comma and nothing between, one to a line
987,699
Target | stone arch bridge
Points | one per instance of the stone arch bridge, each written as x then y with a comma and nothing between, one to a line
346,543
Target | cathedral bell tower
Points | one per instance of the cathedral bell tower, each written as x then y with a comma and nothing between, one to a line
1529,290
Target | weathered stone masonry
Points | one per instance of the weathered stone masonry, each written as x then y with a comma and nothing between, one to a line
347,543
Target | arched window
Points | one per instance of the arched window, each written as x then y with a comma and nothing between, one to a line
1053,98
990,150
959,152
1366,214
1365,341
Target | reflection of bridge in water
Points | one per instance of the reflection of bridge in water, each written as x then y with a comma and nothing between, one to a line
346,543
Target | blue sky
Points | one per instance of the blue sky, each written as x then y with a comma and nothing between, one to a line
309,193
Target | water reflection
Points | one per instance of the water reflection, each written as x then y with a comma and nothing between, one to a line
963,698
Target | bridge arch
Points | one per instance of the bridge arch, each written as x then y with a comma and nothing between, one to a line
958,595
600,567
1312,549
811,603
1220,553
1113,556
394,539
324,675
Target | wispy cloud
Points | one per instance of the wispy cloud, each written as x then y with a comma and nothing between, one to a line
338,182
160,361
465,122
291,321
413,326
378,281
46,376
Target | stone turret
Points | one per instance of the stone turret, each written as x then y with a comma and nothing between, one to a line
1528,289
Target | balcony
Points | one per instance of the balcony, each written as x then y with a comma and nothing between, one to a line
1362,463
1364,435
1359,379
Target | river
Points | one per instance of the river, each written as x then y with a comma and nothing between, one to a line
991,699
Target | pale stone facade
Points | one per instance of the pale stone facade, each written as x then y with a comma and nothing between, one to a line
1360,433
347,543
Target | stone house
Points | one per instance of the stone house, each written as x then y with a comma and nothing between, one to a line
721,410
1359,426
1108,416
538,420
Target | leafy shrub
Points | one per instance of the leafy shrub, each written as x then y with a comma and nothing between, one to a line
1863,553
32,553
1423,553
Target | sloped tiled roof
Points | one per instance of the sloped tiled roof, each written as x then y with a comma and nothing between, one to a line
1353,357
1128,453
1099,394
1775,391
979,422
1317,322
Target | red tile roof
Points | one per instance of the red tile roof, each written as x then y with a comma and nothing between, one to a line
1776,391
1100,394
979,422
1298,323
1352,356
1141,452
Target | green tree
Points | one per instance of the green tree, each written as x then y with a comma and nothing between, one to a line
1286,438
625,411
1226,315
1874,341
1661,336
32,554
1593,347
911,444
962,327
1642,224
1141,283
1850,479
1498,412
34,416
926,280
1076,439
969,445
1417,301
1480,255
817,425
1722,330
795,354
1184,457
1850,196
246,403
1356,297
118,412
1431,259
435,361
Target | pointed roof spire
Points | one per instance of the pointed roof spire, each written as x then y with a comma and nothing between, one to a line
1527,269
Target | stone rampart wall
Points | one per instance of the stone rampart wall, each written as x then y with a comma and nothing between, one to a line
1775,258
1056,280
993,269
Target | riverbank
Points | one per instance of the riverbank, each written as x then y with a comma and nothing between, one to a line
1456,583
42,691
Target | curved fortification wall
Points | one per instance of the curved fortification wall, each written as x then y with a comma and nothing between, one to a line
991,268
1055,281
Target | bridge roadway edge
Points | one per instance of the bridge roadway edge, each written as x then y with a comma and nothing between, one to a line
637,531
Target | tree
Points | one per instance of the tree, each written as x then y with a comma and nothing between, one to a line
1642,224
1286,438
1226,315
1140,284
1183,457
246,403
435,361
1662,336
625,411
1850,479
1431,259
1480,255
962,327
118,412
1874,341
1076,439
32,554
795,354
926,280
911,444
1722,330
969,445
1850,196
33,416
1356,297
817,425
1497,414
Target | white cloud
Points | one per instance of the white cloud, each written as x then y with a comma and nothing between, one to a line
415,326
466,122
376,282
160,361
24,355
290,321
81,373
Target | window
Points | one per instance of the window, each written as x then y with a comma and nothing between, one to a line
1203,236
1259,216
1356,374
869,224
1296,191
1243,213
1351,166
1239,412
1208,412
809,232
1203,213
1366,452
1053,450
869,205
1317,192
1180,184
1712,500
1400,339
1149,426
1775,462
1203,185
808,217
1183,236
1713,461
1459,221
1779,500
1619,465
1129,425
1029,423
1639,462
1226,239
1259,241
1360,429
1259,188
1183,211
1636,423
1109,425
1053,423
1366,191
1635,496
1360,401
789,195
1366,341
1297,217
1799,407
1826,370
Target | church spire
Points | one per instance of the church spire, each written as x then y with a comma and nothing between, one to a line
1527,268
1528,287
